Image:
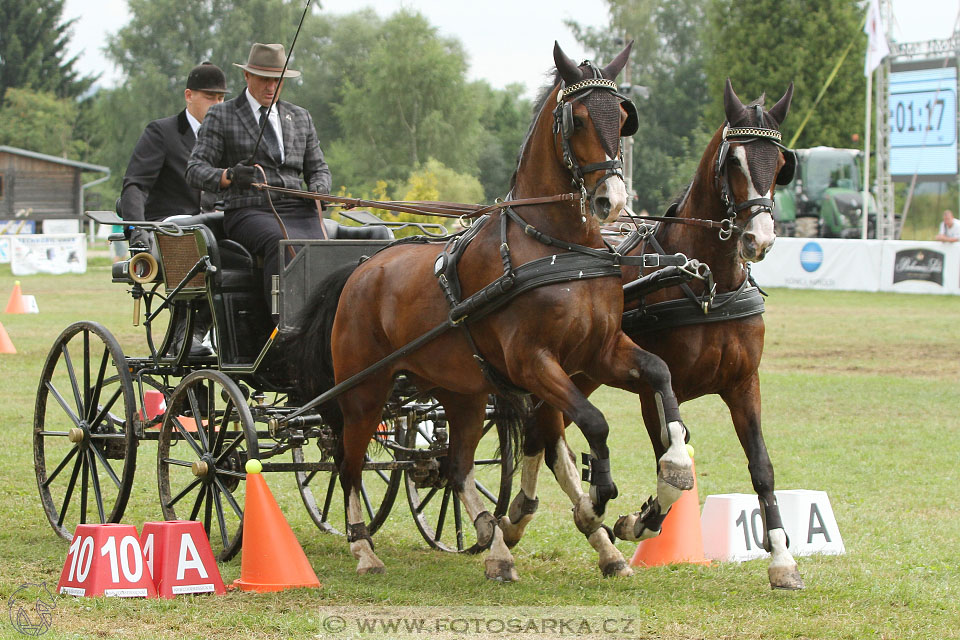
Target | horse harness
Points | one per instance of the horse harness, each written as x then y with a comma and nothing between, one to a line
748,135
603,100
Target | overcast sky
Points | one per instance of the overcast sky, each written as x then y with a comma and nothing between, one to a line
506,40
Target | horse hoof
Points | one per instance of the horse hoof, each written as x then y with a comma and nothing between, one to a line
677,475
368,566
618,569
500,570
785,578
623,528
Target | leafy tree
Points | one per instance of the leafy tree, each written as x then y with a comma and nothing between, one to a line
409,103
766,44
667,60
434,181
33,54
39,121
505,117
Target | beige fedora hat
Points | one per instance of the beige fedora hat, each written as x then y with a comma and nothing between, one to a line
267,60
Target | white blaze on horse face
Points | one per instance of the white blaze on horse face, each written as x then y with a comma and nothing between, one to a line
758,234
615,191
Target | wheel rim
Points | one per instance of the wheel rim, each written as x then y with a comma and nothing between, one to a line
323,496
437,511
205,439
83,436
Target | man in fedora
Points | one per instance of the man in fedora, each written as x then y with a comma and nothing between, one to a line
289,155
154,187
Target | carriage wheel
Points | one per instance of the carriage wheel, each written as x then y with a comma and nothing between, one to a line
205,439
436,509
84,443
323,496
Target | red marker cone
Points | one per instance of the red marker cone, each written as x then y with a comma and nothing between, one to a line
106,560
178,555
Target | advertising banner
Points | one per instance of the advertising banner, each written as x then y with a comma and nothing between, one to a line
48,253
861,265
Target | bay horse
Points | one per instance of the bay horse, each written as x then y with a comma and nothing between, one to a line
534,342
734,187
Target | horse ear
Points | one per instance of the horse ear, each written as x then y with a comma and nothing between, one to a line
779,110
732,107
612,70
567,68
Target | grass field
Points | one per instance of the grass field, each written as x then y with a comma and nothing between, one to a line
860,400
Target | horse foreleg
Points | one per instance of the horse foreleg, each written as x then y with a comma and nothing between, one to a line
648,375
744,404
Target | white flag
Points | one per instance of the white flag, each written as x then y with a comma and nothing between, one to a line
877,48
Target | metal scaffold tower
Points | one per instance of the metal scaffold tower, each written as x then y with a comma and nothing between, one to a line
899,52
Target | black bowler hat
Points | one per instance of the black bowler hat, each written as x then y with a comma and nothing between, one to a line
207,77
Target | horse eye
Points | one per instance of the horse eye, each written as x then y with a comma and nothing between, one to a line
578,122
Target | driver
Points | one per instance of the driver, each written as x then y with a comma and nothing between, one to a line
289,155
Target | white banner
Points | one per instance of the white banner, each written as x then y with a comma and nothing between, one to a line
861,265
4,249
48,253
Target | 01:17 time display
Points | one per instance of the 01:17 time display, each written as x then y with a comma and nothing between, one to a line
923,118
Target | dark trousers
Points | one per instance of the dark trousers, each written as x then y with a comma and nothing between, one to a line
258,231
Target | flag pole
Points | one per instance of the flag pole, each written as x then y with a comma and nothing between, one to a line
866,163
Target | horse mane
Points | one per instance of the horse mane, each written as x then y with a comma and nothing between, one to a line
542,94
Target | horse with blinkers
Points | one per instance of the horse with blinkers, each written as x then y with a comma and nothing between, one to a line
711,337
566,322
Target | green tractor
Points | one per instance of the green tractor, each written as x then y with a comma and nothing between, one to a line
825,198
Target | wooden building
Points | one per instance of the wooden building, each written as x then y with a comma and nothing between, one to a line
35,186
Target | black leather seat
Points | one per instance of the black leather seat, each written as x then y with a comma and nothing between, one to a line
336,231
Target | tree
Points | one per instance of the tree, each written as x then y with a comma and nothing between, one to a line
409,103
764,45
39,121
505,118
33,54
668,61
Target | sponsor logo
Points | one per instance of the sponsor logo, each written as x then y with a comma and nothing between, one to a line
811,257
918,264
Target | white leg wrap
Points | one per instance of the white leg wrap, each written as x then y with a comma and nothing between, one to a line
782,571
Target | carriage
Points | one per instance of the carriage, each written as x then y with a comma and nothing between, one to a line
209,414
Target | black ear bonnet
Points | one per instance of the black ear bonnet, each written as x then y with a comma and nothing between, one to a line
752,133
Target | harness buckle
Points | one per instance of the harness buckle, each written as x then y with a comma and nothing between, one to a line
726,228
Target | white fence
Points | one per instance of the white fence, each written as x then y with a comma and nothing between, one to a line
861,265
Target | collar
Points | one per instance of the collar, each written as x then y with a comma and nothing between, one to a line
194,123
255,107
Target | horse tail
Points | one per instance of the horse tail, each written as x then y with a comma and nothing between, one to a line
514,415
309,347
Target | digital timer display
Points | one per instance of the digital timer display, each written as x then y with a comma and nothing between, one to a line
923,122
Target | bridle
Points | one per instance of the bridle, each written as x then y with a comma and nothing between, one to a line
563,126
747,135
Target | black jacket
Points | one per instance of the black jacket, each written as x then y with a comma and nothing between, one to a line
154,186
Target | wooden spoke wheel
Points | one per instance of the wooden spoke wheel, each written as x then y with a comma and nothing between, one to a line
437,511
323,496
84,440
203,445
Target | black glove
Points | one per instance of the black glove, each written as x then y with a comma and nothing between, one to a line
241,176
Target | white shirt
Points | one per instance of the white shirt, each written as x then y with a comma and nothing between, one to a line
272,117
194,123
952,232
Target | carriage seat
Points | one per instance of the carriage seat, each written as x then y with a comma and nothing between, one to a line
337,231
233,255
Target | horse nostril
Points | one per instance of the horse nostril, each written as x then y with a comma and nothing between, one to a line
602,205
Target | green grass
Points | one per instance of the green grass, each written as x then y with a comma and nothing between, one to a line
860,401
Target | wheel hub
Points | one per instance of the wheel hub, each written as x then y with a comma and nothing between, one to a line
200,468
77,435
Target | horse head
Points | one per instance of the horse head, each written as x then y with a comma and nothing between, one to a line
750,163
590,117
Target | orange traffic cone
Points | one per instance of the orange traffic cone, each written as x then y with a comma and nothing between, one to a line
272,559
680,540
6,345
15,304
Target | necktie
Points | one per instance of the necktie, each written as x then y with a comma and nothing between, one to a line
270,140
